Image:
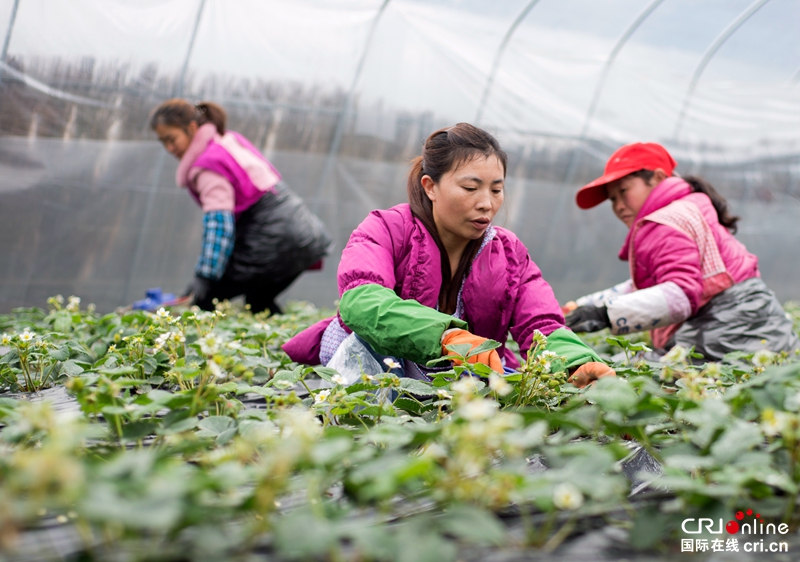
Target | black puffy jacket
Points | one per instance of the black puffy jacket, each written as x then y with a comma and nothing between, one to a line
278,237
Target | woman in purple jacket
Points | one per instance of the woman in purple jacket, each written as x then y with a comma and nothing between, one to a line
435,271
258,235
692,283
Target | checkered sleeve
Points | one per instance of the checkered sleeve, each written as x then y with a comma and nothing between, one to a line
218,237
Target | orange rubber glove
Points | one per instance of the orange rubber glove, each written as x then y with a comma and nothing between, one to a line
587,373
569,307
457,336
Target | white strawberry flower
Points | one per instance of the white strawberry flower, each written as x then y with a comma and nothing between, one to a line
568,497
391,363
216,370
476,410
464,386
499,385
763,358
73,304
677,354
210,344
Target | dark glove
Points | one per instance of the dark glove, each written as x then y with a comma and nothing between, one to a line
588,318
199,288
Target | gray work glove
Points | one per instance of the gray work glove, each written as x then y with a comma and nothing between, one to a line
588,318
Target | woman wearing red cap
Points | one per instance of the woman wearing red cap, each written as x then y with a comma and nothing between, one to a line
692,283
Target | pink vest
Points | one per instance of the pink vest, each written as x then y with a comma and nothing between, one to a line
687,218
724,261
249,173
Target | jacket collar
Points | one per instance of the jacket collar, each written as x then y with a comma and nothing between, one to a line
669,190
204,135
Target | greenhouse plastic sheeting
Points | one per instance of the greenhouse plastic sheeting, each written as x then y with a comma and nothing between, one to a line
340,94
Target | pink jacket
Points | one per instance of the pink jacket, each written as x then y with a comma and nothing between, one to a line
662,253
503,292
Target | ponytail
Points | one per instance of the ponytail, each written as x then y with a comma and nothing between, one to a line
178,112
726,219
443,151
209,112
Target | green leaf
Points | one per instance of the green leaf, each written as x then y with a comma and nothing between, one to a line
114,410
438,360
408,405
735,441
390,436
414,386
480,369
177,421
256,429
473,524
150,364
158,397
139,430
617,341
301,535
7,406
460,349
99,348
331,451
214,426
71,368
262,391
10,357
118,371
650,526
61,353
488,345
290,377
260,375
227,387
613,394
373,542
62,322
325,373
225,436
421,543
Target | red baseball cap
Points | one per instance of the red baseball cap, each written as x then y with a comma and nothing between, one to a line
626,160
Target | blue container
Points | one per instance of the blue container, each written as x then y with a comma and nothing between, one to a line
153,300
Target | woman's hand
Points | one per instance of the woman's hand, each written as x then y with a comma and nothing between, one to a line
198,289
588,318
587,373
569,307
458,336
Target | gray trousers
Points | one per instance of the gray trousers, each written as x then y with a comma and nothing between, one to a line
746,317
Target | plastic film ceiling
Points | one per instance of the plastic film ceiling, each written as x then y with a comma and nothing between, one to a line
339,94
